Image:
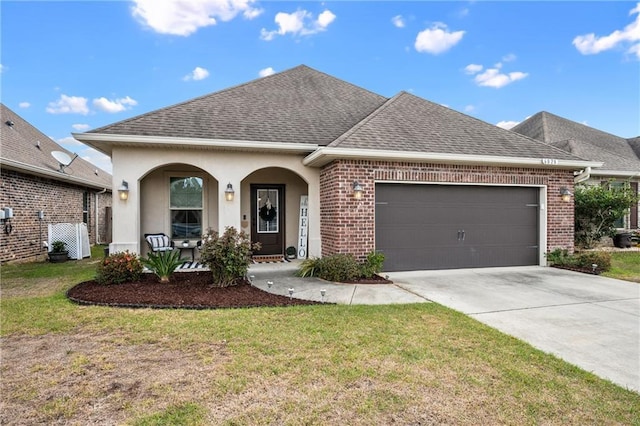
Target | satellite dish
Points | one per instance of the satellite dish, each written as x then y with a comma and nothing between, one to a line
62,158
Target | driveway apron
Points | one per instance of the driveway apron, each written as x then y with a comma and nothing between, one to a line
590,321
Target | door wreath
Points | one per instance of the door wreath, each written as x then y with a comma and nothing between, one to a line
267,212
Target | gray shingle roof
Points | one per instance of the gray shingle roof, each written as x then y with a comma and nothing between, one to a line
617,153
19,149
409,123
300,105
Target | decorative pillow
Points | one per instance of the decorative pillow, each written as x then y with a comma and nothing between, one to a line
158,242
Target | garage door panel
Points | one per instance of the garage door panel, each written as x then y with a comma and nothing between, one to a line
450,226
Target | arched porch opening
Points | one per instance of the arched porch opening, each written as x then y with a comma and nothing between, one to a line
271,209
179,200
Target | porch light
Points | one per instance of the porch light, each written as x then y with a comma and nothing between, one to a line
123,191
565,194
229,192
357,190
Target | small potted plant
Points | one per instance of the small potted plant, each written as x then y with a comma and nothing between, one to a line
58,253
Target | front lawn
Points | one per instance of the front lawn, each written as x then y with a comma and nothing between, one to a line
625,266
322,364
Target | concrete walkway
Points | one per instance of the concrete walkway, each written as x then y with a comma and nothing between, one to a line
590,321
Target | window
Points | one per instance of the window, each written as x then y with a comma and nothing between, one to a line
85,207
185,205
268,211
620,222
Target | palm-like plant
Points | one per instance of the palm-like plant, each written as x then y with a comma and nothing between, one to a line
163,264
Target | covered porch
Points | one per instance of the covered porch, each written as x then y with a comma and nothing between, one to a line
196,191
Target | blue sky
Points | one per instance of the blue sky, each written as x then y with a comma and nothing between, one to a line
72,66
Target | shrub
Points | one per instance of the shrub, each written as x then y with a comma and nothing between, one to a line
373,265
118,268
163,264
597,208
338,267
588,258
560,257
584,260
227,255
341,267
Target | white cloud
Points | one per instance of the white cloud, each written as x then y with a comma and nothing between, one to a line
198,73
80,127
507,124
473,68
265,72
113,106
97,159
69,143
437,39
590,44
509,57
2,68
492,77
300,22
398,21
184,17
68,105
469,108
24,104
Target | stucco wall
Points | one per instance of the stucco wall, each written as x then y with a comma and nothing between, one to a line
60,202
142,169
348,225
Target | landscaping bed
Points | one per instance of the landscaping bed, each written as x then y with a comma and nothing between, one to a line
187,290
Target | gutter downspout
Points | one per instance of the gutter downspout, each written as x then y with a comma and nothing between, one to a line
96,214
584,175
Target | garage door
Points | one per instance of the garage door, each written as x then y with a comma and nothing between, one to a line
456,226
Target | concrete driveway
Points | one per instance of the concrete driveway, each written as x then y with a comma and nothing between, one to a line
590,321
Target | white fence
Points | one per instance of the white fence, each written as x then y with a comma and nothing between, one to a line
74,235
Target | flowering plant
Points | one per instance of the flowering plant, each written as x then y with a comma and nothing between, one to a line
118,268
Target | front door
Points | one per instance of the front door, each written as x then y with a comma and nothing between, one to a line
267,218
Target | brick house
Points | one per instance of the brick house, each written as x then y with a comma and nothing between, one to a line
428,186
32,181
620,156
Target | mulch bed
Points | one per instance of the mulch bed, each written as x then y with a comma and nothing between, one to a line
187,290
589,271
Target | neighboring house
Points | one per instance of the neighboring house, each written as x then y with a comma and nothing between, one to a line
32,181
620,157
440,189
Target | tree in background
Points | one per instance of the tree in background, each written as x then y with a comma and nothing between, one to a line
597,208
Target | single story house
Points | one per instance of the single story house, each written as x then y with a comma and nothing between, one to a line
620,156
39,192
428,186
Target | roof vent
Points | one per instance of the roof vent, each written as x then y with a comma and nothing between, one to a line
38,145
9,123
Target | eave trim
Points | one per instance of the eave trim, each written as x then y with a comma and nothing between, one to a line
98,141
325,155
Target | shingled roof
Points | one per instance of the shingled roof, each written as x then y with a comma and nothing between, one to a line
615,152
300,105
326,118
27,149
410,123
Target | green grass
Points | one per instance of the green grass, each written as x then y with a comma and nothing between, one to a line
625,266
322,364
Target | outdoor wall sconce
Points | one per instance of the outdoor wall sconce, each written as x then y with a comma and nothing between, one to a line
357,190
565,194
229,193
123,191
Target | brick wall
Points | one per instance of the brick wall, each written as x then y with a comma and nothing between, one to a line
61,203
348,225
